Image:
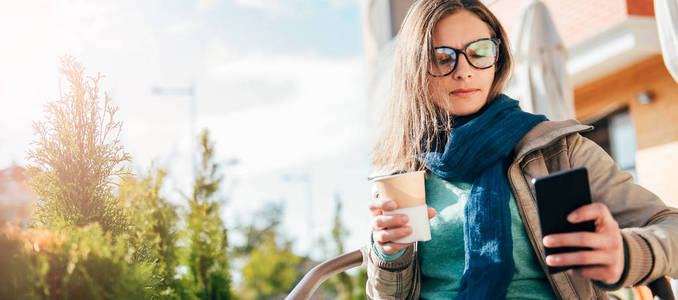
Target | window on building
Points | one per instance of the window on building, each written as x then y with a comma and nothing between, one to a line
617,136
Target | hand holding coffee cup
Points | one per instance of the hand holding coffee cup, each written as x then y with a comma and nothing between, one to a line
400,212
387,228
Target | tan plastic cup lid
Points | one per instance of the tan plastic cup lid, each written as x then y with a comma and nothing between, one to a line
406,189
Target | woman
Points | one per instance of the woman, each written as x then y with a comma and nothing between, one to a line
447,116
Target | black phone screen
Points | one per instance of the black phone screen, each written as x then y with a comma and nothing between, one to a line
559,194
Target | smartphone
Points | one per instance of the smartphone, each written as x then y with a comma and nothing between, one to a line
559,194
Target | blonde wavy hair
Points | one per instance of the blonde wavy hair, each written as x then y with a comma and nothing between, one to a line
412,118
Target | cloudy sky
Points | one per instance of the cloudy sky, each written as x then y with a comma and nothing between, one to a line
279,83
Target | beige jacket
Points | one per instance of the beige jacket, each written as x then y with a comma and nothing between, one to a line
649,227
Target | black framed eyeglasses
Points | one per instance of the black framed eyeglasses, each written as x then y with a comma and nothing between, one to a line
480,54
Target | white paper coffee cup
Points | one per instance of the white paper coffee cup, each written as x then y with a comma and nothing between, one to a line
409,192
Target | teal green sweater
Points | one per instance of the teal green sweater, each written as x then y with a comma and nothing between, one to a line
442,258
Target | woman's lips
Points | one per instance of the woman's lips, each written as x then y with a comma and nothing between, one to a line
464,93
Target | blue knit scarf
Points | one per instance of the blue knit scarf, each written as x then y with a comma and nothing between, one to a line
478,150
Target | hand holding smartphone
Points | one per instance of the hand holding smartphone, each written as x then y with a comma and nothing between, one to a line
559,194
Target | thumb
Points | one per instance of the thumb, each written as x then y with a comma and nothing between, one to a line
431,212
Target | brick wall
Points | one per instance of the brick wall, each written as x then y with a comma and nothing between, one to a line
640,7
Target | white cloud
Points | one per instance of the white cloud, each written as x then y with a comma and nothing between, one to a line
185,27
269,4
291,7
205,5
294,103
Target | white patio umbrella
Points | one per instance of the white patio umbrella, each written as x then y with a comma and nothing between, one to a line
666,14
540,80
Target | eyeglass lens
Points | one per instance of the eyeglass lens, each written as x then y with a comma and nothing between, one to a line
480,54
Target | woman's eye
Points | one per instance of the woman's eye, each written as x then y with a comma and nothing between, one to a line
482,52
445,61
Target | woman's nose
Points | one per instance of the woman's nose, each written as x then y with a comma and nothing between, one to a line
463,69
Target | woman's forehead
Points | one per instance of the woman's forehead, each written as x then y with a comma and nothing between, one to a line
458,29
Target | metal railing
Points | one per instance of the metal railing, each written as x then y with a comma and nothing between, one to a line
314,278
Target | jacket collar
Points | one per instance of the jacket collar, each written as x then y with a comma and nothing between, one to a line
545,133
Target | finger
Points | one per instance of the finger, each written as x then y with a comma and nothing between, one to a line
580,258
388,235
378,206
389,221
600,273
579,239
392,248
597,212
375,207
431,212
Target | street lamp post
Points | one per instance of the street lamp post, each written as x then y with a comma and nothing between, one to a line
188,91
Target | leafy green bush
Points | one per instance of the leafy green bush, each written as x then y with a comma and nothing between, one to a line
77,156
152,227
208,259
73,263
